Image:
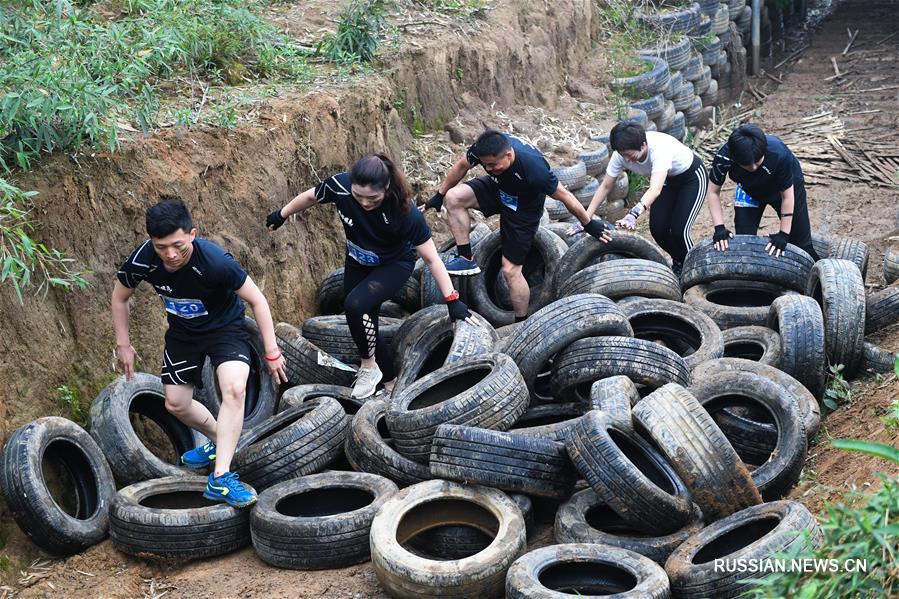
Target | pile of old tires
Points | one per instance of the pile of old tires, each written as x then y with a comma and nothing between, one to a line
657,421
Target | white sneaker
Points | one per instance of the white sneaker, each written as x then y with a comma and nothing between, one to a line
367,380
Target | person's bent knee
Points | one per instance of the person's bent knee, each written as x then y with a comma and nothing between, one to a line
177,406
459,197
233,391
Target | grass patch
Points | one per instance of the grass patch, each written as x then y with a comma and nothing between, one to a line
866,535
69,400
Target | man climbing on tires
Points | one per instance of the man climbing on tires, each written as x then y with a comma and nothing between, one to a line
767,174
517,183
203,290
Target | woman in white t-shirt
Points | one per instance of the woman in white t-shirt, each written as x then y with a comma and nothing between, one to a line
677,185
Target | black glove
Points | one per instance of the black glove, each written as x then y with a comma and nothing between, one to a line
274,220
721,234
597,228
779,240
435,202
457,310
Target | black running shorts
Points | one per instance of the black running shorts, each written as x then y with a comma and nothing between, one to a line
517,228
182,359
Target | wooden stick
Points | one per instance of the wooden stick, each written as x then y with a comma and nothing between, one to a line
890,36
837,76
790,57
836,69
852,37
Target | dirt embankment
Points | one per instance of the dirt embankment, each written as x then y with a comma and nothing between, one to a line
92,207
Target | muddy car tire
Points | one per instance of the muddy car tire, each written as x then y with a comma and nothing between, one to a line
808,405
779,473
891,265
428,340
593,358
261,394
458,542
735,303
549,249
675,54
35,510
596,570
587,251
630,475
571,177
718,480
329,298
882,309
329,528
674,21
585,518
332,334
746,260
759,344
839,289
292,443
306,362
653,106
403,574
876,359
800,322
487,391
201,529
751,537
368,448
549,421
615,396
646,84
558,325
683,329
129,459
595,161
299,395
623,278
857,252
502,460
584,195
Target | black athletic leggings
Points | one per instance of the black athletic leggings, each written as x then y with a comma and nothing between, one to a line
673,213
747,219
365,288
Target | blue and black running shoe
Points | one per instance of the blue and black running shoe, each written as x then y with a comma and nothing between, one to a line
462,266
199,457
230,490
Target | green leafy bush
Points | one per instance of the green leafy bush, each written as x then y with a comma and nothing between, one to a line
358,26
869,533
68,73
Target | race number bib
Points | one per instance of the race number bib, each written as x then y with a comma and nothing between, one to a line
510,202
184,308
743,199
360,255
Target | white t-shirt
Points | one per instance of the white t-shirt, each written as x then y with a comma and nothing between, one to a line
665,154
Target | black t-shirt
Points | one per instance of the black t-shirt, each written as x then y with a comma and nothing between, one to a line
373,236
778,172
526,183
198,297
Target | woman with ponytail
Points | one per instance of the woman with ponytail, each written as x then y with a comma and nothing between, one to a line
374,203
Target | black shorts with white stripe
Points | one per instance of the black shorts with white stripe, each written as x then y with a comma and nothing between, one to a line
182,359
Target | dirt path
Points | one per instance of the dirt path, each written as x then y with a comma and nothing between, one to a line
838,208
866,100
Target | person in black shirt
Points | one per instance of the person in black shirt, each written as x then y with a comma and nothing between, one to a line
767,174
373,201
203,290
517,183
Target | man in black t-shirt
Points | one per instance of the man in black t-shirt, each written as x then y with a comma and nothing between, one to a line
203,290
517,183
767,174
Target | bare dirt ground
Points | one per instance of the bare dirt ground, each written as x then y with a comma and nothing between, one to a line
839,208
